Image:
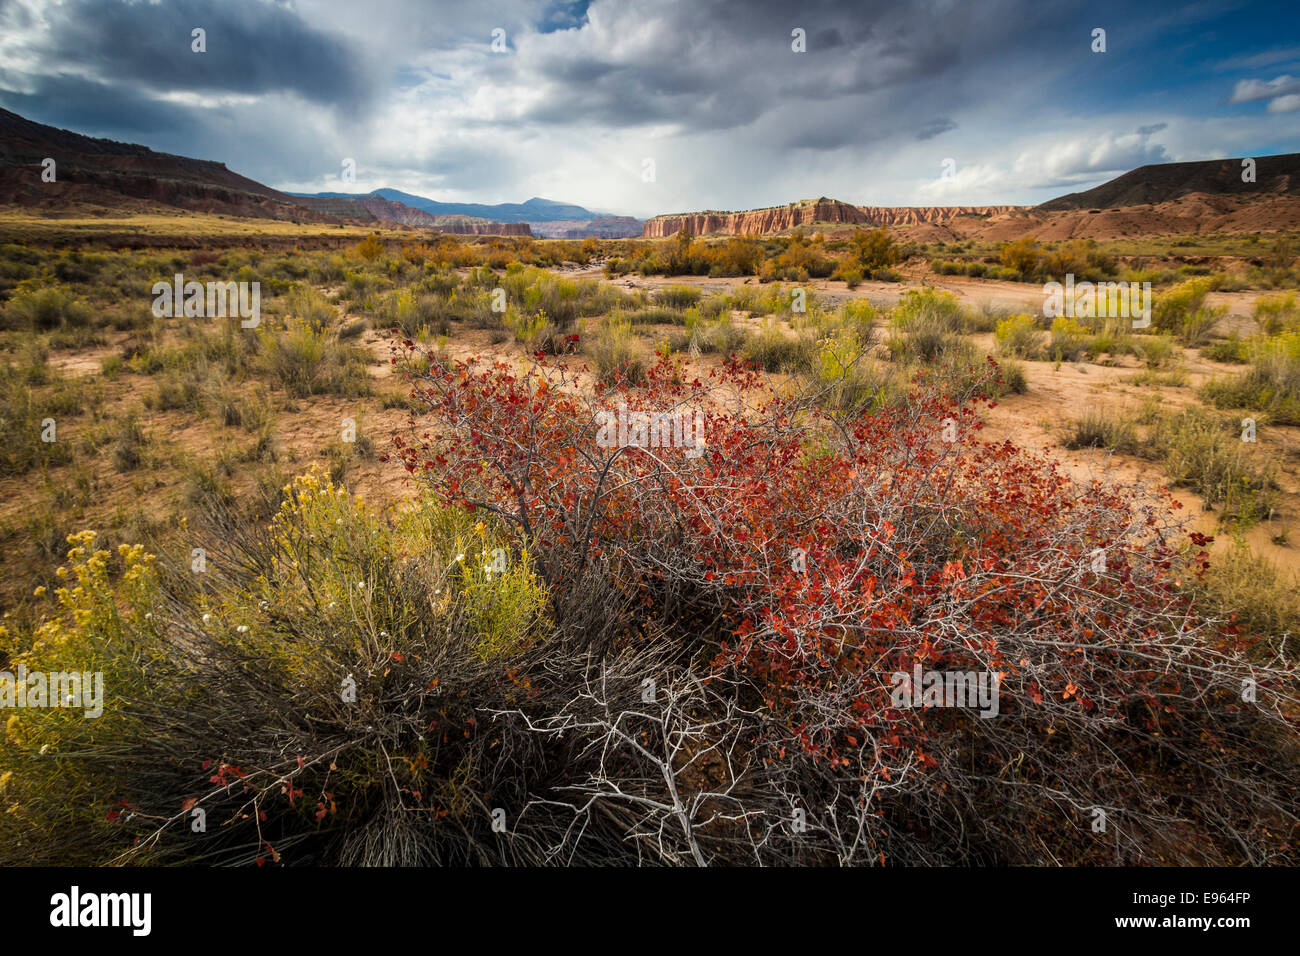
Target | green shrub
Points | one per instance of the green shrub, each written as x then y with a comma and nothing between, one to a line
848,380
927,324
52,307
1174,308
307,359
724,336
1018,336
614,351
774,350
1276,313
677,296
1069,340
1208,456
1156,350
1272,384
1232,350
715,305
1198,326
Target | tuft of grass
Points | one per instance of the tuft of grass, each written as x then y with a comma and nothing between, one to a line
1014,379
1206,454
1107,428
1272,384
1172,378
307,359
129,441
772,349
614,351
677,296
1231,350
1256,594
926,325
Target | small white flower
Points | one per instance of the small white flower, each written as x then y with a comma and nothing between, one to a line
361,584
460,557
207,618
45,748
242,629
383,633
148,615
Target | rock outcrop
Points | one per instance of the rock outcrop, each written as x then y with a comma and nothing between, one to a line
919,215
469,226
777,219
755,222
603,227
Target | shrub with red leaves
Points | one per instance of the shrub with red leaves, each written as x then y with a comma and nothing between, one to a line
807,562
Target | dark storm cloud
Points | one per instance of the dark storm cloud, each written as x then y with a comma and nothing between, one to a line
97,109
935,127
252,48
710,89
719,66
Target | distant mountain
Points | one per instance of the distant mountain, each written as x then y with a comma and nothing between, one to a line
556,220
1164,182
534,210
105,174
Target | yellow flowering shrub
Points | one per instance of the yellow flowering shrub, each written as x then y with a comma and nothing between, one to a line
249,654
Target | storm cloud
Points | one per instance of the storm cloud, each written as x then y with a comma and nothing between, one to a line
735,104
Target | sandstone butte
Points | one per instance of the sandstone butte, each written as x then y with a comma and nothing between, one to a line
766,222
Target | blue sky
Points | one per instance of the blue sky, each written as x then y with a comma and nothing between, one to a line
710,92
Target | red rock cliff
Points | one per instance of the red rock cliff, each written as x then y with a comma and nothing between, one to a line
767,222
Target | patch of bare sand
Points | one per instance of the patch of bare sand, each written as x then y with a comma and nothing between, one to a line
1035,420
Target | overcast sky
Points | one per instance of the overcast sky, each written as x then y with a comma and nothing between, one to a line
585,92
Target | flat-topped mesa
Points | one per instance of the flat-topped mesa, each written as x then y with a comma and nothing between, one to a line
469,226
775,219
755,222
